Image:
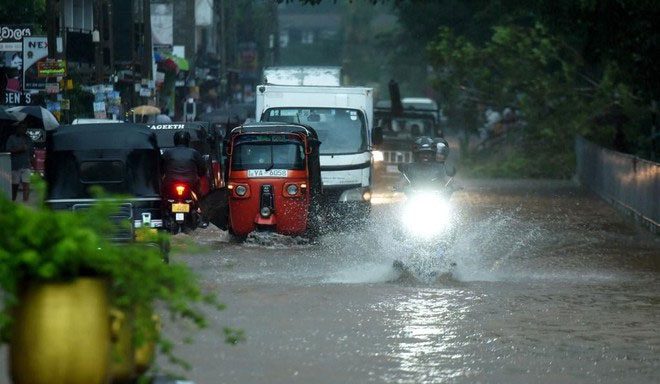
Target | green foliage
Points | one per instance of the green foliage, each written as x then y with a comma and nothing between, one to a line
540,75
24,12
51,246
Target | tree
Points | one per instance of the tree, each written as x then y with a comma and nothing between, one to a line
24,12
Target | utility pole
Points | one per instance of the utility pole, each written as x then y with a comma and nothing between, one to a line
97,38
52,12
223,51
148,48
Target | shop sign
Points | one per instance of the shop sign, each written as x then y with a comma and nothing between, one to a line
11,63
51,68
52,88
35,50
14,33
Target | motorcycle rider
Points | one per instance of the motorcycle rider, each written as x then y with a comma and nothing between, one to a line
182,164
429,168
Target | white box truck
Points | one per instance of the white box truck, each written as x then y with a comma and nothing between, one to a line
343,120
303,75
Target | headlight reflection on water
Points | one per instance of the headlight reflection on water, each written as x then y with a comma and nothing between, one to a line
428,346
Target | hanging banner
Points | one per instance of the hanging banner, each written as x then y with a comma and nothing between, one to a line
162,24
35,51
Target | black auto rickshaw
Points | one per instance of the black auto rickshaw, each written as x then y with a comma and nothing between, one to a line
273,177
122,159
203,141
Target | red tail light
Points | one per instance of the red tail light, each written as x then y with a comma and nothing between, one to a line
180,189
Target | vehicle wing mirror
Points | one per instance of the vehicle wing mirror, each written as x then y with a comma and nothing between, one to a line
451,171
377,136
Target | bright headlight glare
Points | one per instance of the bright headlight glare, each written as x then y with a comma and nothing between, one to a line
426,215
378,156
292,189
241,190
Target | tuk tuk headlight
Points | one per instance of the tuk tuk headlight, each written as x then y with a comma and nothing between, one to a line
241,190
292,189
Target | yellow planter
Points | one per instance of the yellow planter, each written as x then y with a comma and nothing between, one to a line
144,354
122,363
130,360
61,334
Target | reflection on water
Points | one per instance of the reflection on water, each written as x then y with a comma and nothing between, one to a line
427,338
516,332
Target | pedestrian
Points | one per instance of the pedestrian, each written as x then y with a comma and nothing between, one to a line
20,146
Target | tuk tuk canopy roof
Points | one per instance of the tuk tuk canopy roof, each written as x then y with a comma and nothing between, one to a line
275,127
165,132
102,136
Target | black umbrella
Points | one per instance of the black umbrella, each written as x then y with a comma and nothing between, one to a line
35,115
4,116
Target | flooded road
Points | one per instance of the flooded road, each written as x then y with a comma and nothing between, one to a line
549,285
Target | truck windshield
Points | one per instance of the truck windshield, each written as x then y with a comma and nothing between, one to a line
406,128
268,155
340,130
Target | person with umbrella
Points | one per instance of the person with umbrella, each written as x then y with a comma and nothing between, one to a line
20,146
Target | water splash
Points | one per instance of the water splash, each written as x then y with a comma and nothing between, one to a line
272,240
370,254
487,250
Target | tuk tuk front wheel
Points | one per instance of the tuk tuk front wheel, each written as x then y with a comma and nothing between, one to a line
234,237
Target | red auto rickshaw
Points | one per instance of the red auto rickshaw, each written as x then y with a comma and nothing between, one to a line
273,178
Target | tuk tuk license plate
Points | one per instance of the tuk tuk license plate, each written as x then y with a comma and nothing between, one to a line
269,173
180,207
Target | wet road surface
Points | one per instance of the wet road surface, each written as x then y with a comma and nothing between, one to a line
550,285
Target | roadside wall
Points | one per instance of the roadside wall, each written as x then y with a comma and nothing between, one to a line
5,175
628,182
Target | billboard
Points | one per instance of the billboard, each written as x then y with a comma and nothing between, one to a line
11,64
35,51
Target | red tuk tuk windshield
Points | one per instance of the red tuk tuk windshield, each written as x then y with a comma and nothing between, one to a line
267,152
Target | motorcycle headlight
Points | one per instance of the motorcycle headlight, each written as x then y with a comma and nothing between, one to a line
378,155
427,215
241,190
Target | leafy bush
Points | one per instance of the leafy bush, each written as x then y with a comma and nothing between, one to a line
53,246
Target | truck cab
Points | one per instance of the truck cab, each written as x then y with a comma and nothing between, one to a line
343,120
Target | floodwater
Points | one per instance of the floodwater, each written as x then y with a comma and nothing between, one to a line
549,285
545,283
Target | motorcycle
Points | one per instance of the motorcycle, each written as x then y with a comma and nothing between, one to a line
427,223
181,208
